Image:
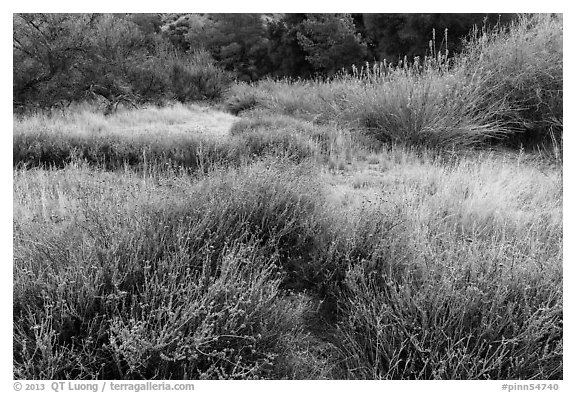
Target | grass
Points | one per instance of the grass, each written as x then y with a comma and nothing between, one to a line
526,67
180,280
406,107
180,136
430,267
347,229
476,286
506,87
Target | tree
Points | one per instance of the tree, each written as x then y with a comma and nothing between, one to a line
180,30
287,57
331,42
60,58
237,41
49,52
393,36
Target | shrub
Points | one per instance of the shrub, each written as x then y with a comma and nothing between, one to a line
401,105
429,109
453,278
113,152
438,270
242,98
61,59
184,283
189,324
322,141
146,139
523,64
450,329
195,77
506,87
157,138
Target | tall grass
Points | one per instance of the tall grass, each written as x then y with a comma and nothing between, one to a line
475,289
439,269
402,106
116,277
525,63
187,137
183,243
324,142
506,85
195,77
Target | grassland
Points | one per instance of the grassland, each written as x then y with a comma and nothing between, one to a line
299,240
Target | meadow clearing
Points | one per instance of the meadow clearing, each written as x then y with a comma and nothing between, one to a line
394,222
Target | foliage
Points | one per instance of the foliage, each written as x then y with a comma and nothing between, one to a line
45,51
64,58
130,58
181,290
505,87
120,141
524,66
392,36
286,55
196,77
236,41
331,42
340,229
439,305
454,273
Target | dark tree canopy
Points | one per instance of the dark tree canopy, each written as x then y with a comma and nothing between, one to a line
393,36
237,41
57,57
331,42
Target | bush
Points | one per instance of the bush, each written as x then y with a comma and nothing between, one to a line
458,329
429,108
277,136
242,98
113,152
196,77
506,87
188,325
399,105
523,64
185,284
151,139
157,138
64,58
450,270
457,273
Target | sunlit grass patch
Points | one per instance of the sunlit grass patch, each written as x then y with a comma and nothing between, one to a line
104,262
425,245
431,297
